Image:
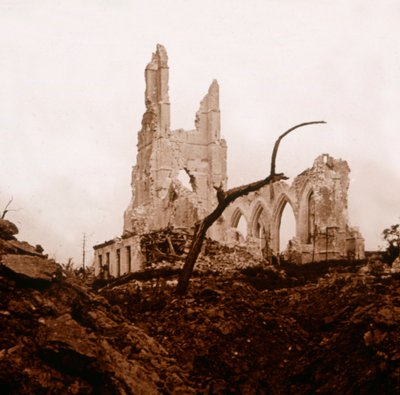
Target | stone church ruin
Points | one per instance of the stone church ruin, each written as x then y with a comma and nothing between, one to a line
173,187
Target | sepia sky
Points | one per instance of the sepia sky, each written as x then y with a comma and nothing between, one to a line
72,98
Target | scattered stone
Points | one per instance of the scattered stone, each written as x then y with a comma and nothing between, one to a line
80,345
32,267
7,229
22,247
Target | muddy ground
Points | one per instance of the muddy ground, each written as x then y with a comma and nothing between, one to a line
324,328
245,327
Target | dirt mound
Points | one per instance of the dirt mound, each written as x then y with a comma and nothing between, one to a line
60,337
244,328
318,329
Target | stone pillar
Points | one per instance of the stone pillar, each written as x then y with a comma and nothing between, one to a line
208,121
156,94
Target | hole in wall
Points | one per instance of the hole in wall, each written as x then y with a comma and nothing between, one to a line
187,180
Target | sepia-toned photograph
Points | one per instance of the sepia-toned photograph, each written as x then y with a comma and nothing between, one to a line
199,197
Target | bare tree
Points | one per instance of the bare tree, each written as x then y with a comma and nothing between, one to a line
224,199
6,210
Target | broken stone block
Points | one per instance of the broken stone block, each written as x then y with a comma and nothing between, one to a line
24,248
31,267
7,229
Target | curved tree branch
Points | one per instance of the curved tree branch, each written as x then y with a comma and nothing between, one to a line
224,199
277,142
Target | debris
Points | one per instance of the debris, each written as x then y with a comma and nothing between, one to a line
169,243
245,327
32,267
7,230
310,329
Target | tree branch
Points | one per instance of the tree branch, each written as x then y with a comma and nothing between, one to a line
224,199
5,211
277,142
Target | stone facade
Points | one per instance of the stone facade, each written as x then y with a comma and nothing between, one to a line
161,196
318,198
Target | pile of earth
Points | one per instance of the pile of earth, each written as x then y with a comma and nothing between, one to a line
59,337
244,327
329,327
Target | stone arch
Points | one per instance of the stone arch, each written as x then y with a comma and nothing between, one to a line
259,225
280,205
259,210
236,221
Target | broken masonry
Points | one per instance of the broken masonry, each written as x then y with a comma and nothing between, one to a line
173,187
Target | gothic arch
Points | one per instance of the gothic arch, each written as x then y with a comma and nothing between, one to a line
259,225
236,217
281,202
257,218
235,220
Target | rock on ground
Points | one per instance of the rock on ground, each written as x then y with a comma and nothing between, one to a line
63,338
31,267
7,229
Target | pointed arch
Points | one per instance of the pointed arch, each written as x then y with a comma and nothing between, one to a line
239,221
280,205
259,218
259,225
236,217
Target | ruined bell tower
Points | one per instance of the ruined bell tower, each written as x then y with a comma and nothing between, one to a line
159,198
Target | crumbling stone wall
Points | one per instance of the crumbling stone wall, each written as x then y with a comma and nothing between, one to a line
318,198
160,199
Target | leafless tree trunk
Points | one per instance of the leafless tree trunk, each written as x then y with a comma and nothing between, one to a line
5,211
224,199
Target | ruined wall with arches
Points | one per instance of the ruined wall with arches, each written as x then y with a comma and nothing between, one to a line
173,185
318,200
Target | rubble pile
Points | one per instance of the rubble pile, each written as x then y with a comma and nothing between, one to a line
165,245
332,330
58,336
9,243
245,327
168,247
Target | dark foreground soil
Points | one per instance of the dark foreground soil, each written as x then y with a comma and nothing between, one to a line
335,332
327,328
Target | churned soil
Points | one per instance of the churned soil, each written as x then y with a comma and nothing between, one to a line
245,327
329,328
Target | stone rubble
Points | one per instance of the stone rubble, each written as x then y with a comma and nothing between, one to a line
245,327
314,328
58,336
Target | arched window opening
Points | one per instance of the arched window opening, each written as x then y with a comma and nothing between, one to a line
258,227
239,222
242,226
261,236
287,228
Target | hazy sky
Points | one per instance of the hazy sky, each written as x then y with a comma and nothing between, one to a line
72,98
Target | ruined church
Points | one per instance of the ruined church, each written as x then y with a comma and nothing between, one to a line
173,186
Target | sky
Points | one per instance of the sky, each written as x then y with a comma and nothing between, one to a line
72,99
